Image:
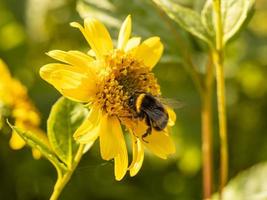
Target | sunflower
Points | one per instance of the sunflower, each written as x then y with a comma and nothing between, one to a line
14,97
105,79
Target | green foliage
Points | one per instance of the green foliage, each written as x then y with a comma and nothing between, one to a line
218,22
187,18
40,141
250,184
64,119
59,147
234,13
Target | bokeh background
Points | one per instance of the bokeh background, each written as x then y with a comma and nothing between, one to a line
30,28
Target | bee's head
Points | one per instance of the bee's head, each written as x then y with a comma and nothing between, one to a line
132,102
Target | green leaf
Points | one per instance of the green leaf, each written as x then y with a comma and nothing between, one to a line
207,18
250,184
187,18
64,119
40,142
234,13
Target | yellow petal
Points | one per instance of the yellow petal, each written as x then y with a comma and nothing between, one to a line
47,70
108,145
96,35
89,130
150,51
5,75
139,128
172,116
121,159
81,55
160,143
121,163
91,53
111,138
36,154
26,112
69,81
75,58
78,61
16,142
132,43
77,95
138,155
125,32
88,147
66,79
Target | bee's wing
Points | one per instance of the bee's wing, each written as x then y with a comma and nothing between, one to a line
153,112
171,102
158,116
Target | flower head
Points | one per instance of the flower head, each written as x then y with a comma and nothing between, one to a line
14,97
106,78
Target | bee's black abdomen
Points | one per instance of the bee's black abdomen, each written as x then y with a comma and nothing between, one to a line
155,111
161,123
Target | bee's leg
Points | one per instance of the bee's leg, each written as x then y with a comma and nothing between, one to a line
148,131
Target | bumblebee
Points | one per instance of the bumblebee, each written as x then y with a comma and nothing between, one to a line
152,110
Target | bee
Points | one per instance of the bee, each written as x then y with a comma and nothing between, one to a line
152,110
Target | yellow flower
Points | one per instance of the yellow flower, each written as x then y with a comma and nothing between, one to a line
106,78
13,95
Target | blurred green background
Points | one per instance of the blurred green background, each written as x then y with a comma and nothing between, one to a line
30,28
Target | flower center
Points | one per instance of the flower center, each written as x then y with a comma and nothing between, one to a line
123,78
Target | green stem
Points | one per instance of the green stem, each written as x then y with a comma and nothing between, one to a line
204,89
206,120
218,62
64,179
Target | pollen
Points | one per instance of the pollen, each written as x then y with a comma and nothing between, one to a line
124,77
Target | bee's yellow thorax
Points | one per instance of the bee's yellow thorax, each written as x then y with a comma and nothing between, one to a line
139,101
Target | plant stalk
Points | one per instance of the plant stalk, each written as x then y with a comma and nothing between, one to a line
206,120
218,62
204,89
63,180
